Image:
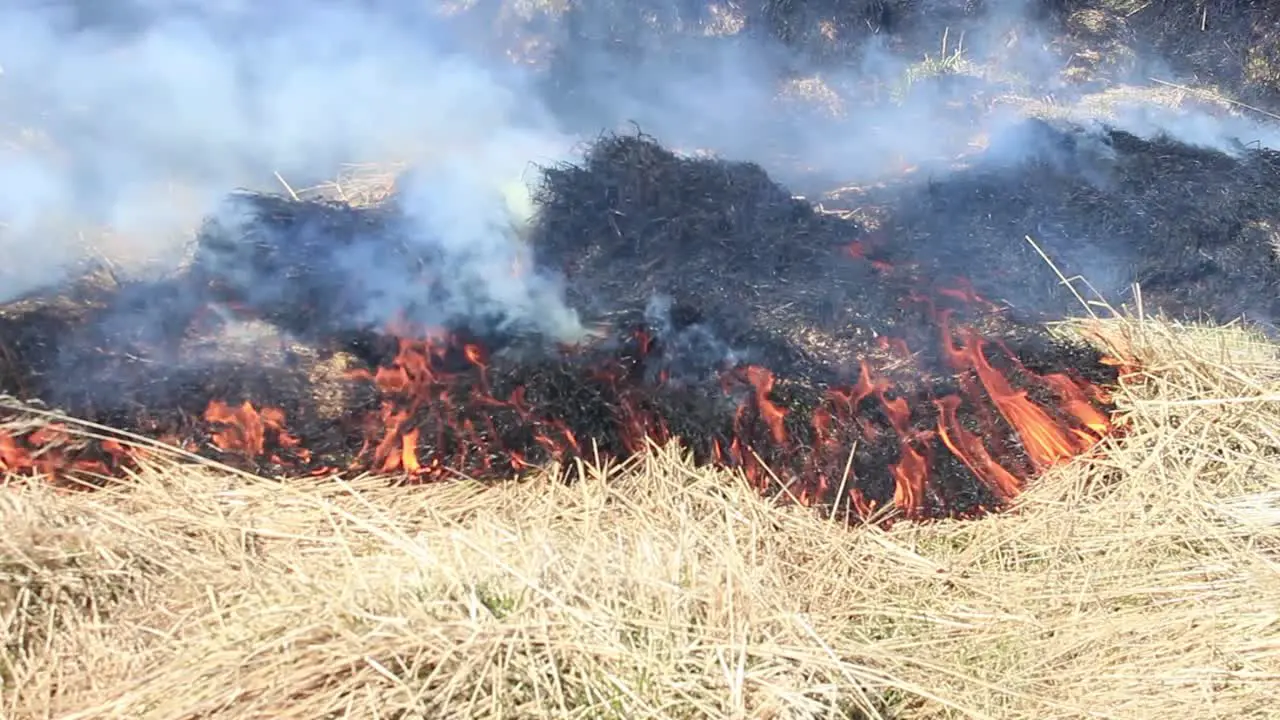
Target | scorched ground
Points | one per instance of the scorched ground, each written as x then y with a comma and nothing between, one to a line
824,362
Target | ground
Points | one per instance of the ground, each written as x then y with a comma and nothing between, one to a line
1139,581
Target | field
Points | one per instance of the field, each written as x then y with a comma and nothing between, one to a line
1139,580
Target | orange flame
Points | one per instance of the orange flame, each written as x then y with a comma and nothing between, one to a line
969,448
42,453
245,430
762,380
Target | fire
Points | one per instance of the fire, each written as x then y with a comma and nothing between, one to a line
973,453
762,380
443,406
1048,442
245,430
46,452
425,390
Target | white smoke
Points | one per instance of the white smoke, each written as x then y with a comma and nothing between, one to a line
141,116
133,100
722,95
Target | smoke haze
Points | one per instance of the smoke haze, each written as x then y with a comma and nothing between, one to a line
155,96
140,117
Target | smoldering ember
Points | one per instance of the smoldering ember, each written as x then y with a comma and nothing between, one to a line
895,355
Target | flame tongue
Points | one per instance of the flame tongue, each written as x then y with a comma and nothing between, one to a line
1048,442
762,380
969,448
245,431
49,451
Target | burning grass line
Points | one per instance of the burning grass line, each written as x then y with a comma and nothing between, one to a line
125,437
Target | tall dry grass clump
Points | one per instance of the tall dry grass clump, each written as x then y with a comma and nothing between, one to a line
1142,582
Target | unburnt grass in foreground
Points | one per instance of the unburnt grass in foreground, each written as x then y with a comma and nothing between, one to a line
1139,583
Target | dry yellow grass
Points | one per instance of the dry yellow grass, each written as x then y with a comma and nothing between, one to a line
358,185
1142,583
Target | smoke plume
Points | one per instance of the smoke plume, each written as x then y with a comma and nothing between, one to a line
140,117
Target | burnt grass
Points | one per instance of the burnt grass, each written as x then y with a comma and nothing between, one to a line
1195,228
695,266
